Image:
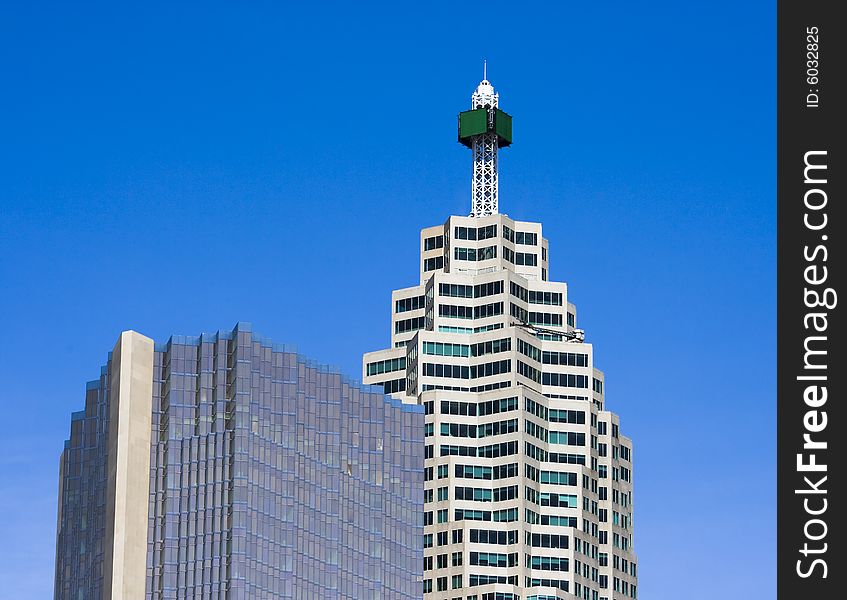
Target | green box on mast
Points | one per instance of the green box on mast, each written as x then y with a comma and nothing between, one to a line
479,121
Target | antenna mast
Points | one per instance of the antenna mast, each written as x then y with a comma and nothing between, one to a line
485,128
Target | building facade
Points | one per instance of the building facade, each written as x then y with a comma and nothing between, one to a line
227,467
528,479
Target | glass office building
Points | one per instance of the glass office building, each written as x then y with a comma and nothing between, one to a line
225,466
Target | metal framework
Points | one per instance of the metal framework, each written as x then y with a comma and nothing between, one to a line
484,184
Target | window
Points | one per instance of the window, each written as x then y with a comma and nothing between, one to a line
394,386
475,254
386,366
445,349
493,559
482,290
564,380
570,359
551,499
524,258
407,325
552,477
453,290
471,233
431,243
487,232
526,238
488,310
431,264
546,540
488,407
407,304
493,536
541,318
487,495
547,563
465,372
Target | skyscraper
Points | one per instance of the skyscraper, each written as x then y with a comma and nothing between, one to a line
224,466
528,480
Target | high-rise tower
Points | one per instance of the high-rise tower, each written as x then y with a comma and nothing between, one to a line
528,480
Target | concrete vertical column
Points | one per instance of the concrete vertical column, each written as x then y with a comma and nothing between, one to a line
128,481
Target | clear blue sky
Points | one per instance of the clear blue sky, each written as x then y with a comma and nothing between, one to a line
177,169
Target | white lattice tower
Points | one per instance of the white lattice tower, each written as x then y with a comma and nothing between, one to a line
484,183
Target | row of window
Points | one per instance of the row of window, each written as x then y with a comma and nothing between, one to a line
446,349
530,373
474,254
486,473
407,304
480,290
540,455
412,324
520,237
535,297
479,431
386,366
551,499
564,380
473,409
467,372
470,312
468,330
547,563
475,233
520,258
535,318
393,386
490,451
476,388
473,494
535,518
491,347
434,242
475,580
552,477
554,415
567,438
546,540
506,515
562,584
570,359
493,536
431,264
529,350
494,559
